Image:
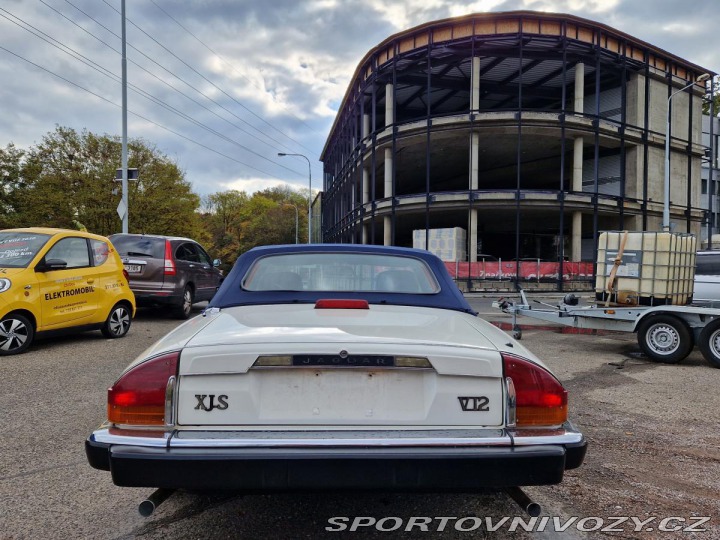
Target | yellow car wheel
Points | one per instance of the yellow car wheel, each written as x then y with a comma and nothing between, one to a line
16,334
118,322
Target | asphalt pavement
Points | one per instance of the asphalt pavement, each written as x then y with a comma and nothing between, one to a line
652,430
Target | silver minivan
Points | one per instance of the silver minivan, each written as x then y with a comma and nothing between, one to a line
707,277
168,271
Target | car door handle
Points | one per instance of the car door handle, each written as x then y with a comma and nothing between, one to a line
91,281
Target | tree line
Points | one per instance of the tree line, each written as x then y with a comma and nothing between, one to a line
66,181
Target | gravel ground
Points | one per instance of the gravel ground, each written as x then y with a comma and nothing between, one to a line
653,431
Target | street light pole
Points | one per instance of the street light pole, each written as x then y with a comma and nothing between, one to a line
666,205
282,154
124,158
297,220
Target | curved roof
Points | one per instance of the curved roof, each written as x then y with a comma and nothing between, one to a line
511,23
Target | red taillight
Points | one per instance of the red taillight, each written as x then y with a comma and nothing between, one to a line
540,398
138,397
169,261
127,276
339,303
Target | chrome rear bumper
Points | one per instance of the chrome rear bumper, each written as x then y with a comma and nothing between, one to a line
453,460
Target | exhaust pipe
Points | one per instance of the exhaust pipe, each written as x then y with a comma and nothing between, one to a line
532,508
156,498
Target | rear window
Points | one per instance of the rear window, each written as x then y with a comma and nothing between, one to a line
100,252
342,272
139,246
18,249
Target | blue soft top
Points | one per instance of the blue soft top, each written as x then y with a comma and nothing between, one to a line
231,292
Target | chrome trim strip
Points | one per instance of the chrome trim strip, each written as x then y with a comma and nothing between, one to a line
566,438
169,394
511,402
326,439
104,436
530,436
566,434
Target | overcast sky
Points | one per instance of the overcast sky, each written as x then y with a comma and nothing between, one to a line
224,85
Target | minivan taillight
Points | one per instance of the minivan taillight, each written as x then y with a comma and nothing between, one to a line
140,396
541,399
169,261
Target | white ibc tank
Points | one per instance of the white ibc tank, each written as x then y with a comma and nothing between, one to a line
652,268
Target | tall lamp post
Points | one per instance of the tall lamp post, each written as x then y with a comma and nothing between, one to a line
666,206
123,207
282,154
297,221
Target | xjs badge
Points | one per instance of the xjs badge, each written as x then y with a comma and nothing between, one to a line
209,405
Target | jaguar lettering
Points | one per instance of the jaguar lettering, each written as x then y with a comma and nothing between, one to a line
221,404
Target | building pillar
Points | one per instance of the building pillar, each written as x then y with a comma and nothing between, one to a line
365,200
387,233
579,88
474,158
365,175
475,89
387,193
388,190
389,104
473,237
576,234
473,217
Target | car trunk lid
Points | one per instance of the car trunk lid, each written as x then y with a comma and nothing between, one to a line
340,368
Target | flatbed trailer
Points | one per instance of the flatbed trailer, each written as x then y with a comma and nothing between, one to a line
666,333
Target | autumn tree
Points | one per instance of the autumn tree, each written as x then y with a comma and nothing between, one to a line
162,200
289,200
11,185
237,222
222,217
67,182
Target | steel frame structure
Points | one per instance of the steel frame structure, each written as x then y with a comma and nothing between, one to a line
413,95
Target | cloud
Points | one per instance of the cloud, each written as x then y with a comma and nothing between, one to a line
258,78
251,185
573,6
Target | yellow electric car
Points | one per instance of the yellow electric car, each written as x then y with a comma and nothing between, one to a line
55,280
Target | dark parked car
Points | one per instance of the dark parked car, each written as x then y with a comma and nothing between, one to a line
167,270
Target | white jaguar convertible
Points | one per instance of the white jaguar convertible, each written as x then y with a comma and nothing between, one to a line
337,367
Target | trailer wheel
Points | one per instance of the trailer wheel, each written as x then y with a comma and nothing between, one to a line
665,339
710,343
